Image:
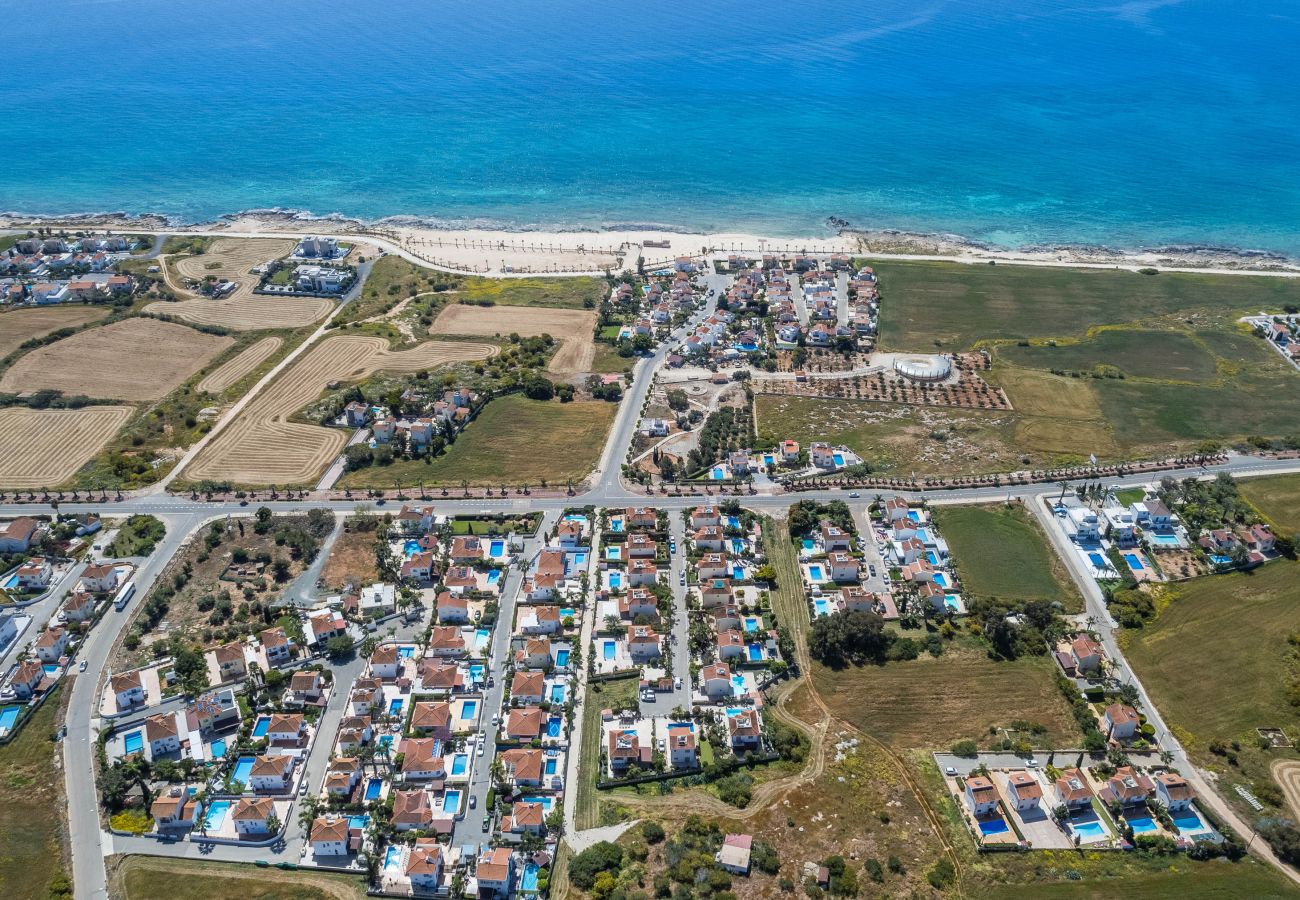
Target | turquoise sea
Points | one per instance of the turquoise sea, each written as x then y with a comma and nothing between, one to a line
1015,122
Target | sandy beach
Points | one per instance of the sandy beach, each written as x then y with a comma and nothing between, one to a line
537,252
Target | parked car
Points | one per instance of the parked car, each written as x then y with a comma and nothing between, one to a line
496,718
473,801
487,823
81,666
950,771
853,495
873,570
677,684
480,749
672,546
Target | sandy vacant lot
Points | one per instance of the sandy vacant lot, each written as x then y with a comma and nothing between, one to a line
240,366
135,359
25,324
573,327
45,447
231,258
262,447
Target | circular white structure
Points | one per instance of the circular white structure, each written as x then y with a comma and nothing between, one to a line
923,368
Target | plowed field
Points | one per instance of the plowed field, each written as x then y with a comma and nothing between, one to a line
240,366
572,327
46,447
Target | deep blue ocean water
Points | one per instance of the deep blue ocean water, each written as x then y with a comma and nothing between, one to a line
1015,122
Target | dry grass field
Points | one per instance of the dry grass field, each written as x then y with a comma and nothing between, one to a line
46,447
135,359
240,366
572,327
231,258
262,446
24,324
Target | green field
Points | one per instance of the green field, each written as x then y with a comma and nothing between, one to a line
931,702
144,878
1169,355
1177,879
1277,497
960,305
600,695
1000,552
31,795
559,293
1215,658
513,441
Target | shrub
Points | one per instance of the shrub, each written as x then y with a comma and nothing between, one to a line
603,857
941,874
653,832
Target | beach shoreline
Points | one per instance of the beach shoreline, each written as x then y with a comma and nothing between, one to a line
536,250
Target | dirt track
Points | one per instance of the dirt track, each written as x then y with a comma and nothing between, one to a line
240,366
134,359
46,447
572,327
262,447
243,310
1286,772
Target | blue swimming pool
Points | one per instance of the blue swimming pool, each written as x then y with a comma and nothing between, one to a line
261,726
476,672
360,821
1133,561
1188,821
750,348
575,517
952,603
459,763
553,726
615,525
561,658
815,573
839,458
528,881
941,579
468,709
551,765
755,652
1221,560
577,560
50,669
732,521
1165,540
373,789
481,637
546,802
737,685
406,652
133,742
451,801
497,549
410,548
615,580
751,624
614,552
931,557
243,766
567,612
1141,824
217,749
823,606
8,717
738,573
557,693
718,473
609,649
392,856
737,546
992,827
385,740
1088,831
809,544
395,706
10,583
493,577
215,816
914,515
1098,561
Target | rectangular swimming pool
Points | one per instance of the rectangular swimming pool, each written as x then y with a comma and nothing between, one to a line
1098,561
392,856
755,652
561,658
553,726
609,650
451,801
373,788
1088,831
557,693
823,606
1134,562
481,638
941,579
528,881
733,521
1188,821
615,580
751,624
243,767
839,458
133,742
1141,824
993,826
261,726
8,717
815,573
459,763
497,549
217,749
215,816
395,706
809,544
1165,540
468,709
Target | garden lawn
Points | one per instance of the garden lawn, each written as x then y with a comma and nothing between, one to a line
1215,658
513,441
956,305
1000,552
932,702
1277,497
31,796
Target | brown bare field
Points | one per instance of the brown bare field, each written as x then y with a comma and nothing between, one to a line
351,559
240,366
135,359
262,447
1286,772
572,327
46,447
231,258
24,324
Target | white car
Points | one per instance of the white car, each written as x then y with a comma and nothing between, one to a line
677,684
480,749
81,667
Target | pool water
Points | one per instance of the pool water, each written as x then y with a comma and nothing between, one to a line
1141,824
392,856
733,521
815,573
468,709
566,612
215,816
395,706
940,579
1165,540
262,725
561,658
406,652
993,826
609,650
546,802
50,669
1221,560
243,766
358,821
481,638
528,881
8,717
738,573
1088,830
1188,821
477,672
614,551
218,748
10,583
493,577
575,517
718,473
551,765
133,742
497,549
737,546
738,684
615,579
386,740
914,516
451,802
952,603
809,544
553,726
751,624
822,605
1098,561
373,787
1133,562
578,559
616,525
557,693
839,458
459,763
410,548
755,652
